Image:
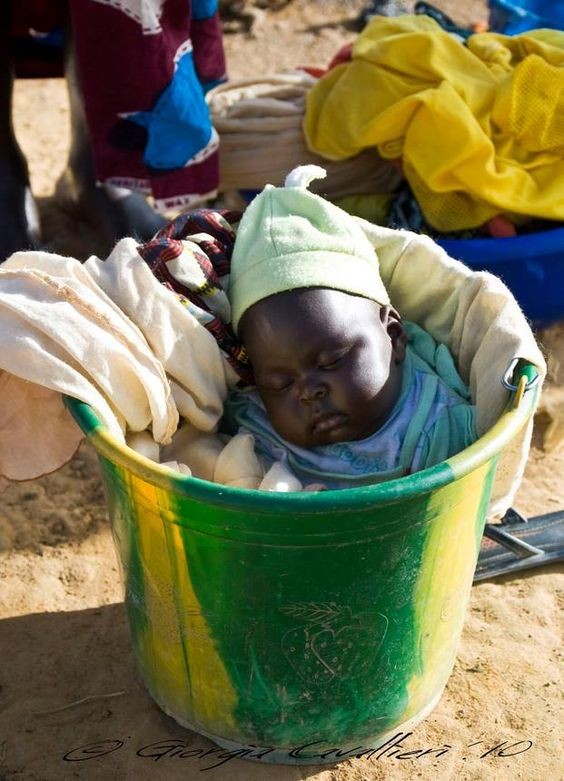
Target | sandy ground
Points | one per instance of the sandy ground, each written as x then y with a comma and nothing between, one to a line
63,635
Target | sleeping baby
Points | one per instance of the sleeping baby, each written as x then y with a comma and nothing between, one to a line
345,393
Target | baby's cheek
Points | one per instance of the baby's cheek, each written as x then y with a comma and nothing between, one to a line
360,386
282,415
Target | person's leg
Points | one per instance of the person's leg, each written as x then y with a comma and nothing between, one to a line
19,224
117,212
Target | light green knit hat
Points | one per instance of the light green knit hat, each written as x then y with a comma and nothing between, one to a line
290,238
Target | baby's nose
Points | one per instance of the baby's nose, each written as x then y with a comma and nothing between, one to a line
313,392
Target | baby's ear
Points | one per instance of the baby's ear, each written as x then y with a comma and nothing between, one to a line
395,330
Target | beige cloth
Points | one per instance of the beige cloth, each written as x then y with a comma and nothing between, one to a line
232,462
188,353
62,333
259,122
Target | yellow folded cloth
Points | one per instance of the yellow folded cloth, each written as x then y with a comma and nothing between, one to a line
479,128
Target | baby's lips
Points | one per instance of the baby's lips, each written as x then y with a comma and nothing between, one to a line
327,422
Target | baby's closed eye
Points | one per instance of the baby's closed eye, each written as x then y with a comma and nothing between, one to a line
274,383
332,360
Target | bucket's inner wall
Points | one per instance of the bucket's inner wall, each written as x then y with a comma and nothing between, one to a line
325,633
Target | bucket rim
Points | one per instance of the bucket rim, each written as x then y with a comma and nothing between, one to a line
518,410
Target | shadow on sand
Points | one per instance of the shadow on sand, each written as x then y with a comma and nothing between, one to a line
69,688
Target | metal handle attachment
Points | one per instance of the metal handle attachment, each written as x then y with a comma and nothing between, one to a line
508,376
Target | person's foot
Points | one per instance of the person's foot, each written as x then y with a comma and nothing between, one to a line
121,212
114,211
19,219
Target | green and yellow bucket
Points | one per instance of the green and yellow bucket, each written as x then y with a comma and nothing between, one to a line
299,628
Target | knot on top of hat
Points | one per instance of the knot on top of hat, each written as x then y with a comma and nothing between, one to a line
303,175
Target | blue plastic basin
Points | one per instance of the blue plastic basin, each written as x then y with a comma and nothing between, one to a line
516,16
531,265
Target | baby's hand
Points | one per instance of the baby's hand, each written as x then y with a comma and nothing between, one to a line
314,487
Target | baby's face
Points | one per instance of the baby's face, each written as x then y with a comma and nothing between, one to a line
327,364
